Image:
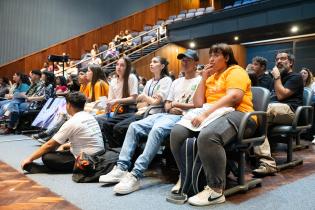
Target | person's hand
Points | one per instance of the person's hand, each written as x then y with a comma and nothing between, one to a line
196,122
141,105
61,148
110,104
176,111
142,98
25,162
206,72
275,72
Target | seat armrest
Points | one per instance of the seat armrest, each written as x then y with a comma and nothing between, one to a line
151,107
298,114
261,129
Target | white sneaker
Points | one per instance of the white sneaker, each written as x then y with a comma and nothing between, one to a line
313,142
176,188
127,184
206,197
114,176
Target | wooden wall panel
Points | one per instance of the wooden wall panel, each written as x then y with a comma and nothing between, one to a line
169,51
76,46
238,50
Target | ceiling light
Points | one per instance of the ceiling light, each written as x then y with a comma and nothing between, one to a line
236,38
192,44
294,29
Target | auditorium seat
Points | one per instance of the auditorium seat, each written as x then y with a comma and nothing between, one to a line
209,9
160,22
190,15
183,12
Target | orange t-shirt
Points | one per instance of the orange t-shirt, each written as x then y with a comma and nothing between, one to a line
234,77
100,89
85,89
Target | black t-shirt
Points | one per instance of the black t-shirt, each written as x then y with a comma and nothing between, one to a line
294,82
265,80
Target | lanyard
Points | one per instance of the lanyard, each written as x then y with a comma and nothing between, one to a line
151,94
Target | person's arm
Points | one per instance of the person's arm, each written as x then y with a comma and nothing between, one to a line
281,91
177,108
64,147
199,96
45,148
231,99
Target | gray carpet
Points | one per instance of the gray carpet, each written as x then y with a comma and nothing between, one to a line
297,195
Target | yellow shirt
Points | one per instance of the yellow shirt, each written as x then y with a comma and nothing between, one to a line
234,77
85,89
100,89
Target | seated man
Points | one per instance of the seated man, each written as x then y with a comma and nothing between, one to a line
286,96
259,66
83,133
155,127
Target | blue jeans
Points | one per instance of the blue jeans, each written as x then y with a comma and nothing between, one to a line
157,127
16,107
3,106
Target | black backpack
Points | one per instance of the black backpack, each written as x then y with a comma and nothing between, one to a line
192,174
88,168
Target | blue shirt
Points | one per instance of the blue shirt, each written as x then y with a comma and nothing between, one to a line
22,88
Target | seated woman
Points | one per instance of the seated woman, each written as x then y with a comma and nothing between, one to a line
81,130
155,92
97,83
22,84
97,87
155,127
122,89
223,84
61,86
34,101
111,53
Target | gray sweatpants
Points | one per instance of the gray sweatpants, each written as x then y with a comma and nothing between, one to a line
210,142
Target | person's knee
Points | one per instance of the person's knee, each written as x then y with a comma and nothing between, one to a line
208,139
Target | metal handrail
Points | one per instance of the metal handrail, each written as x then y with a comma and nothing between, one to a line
141,37
159,39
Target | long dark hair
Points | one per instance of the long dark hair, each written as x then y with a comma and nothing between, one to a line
98,75
226,51
50,78
125,89
164,71
62,79
23,78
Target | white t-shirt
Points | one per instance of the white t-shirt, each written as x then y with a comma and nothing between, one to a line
183,90
116,86
83,132
158,87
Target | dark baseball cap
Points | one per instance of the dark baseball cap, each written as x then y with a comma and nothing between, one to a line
189,54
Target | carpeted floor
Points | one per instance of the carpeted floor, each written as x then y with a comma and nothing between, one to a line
297,195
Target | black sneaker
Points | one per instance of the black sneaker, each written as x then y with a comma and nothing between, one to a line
35,168
40,135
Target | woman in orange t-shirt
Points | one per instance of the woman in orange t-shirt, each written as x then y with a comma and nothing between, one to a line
98,83
223,84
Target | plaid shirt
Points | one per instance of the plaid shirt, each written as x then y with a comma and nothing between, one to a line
46,91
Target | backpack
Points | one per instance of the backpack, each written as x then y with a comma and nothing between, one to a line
88,168
192,174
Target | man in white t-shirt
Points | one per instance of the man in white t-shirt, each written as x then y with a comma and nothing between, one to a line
82,133
157,127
